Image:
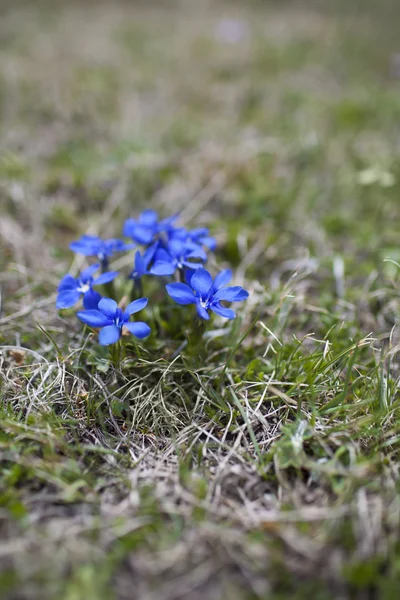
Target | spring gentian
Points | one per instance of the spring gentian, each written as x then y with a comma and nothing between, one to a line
112,320
147,227
91,245
177,255
207,294
142,262
71,289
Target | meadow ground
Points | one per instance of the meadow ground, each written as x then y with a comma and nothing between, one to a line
272,469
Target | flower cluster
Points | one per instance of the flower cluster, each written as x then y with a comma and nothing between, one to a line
163,250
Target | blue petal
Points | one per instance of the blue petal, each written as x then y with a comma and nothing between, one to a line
123,247
148,218
208,241
89,272
198,232
68,283
202,312
227,313
181,293
167,224
142,235
228,293
139,329
162,255
139,263
128,228
87,245
202,282
109,335
112,244
149,254
177,247
91,300
179,234
197,252
222,279
188,276
94,318
242,295
107,248
92,239
116,245
67,299
108,307
136,306
82,248
105,278
162,268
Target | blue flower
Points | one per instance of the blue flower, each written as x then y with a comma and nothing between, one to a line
147,227
112,320
91,245
71,289
142,262
177,255
198,236
207,294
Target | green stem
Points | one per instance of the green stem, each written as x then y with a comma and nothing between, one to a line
104,265
116,353
137,348
110,290
137,289
195,345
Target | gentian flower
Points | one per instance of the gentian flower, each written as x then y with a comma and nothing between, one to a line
91,245
142,262
72,288
147,227
112,320
207,294
198,236
177,255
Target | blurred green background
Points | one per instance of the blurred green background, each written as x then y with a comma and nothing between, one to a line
290,110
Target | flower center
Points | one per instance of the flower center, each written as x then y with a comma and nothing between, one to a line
84,287
119,318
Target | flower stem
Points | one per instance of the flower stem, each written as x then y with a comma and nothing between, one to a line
196,347
110,290
116,353
137,289
104,264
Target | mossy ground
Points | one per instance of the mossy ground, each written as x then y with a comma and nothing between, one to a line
271,468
